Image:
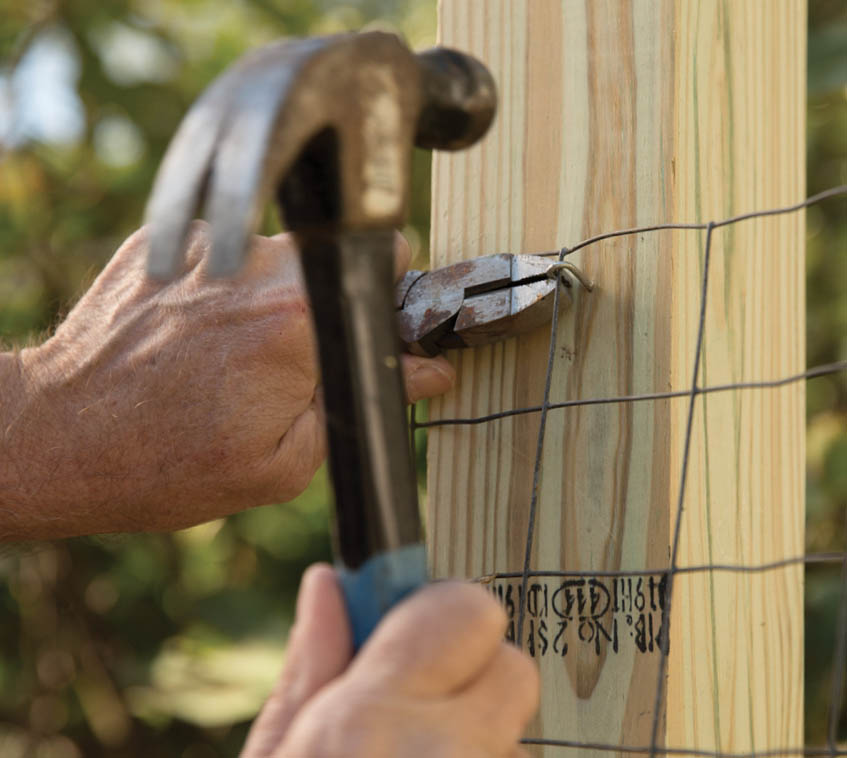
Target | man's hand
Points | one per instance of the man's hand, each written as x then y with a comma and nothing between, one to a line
157,406
435,680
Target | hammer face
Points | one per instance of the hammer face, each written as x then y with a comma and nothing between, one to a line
460,99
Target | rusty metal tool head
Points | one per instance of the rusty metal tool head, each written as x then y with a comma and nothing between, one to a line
479,301
326,126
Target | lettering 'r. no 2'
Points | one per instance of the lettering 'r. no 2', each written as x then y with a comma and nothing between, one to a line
603,612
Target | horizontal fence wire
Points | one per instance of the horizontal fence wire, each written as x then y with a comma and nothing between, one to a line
740,568
812,373
692,392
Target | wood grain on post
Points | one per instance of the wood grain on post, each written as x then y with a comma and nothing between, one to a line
617,113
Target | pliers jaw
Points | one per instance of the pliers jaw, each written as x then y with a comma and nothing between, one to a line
480,301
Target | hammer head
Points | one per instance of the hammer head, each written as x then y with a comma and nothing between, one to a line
326,125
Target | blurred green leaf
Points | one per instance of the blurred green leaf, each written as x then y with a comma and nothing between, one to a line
827,59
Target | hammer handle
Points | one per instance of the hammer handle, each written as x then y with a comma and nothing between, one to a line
377,520
378,585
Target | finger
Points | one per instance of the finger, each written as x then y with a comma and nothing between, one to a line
427,377
424,377
197,243
505,696
319,650
435,642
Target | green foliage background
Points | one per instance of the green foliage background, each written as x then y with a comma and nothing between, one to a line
167,644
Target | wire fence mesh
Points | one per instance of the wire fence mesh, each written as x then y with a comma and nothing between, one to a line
669,572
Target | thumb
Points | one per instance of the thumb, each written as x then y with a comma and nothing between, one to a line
319,649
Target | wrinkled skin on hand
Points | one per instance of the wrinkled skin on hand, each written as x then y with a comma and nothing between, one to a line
163,405
435,680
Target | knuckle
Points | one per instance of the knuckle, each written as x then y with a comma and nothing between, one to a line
268,255
198,228
350,731
491,615
129,255
139,238
468,607
286,239
197,243
402,253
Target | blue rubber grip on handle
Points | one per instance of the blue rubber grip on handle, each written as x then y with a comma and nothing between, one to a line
379,584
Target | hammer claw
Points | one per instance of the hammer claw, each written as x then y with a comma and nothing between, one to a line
179,187
182,181
237,183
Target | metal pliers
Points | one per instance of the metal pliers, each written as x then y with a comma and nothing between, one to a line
481,300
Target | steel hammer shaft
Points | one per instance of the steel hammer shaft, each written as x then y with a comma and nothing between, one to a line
378,531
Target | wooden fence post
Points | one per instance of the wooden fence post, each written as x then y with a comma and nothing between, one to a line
617,113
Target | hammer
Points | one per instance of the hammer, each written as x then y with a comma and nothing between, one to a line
326,126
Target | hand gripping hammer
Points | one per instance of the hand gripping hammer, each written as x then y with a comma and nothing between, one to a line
326,125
